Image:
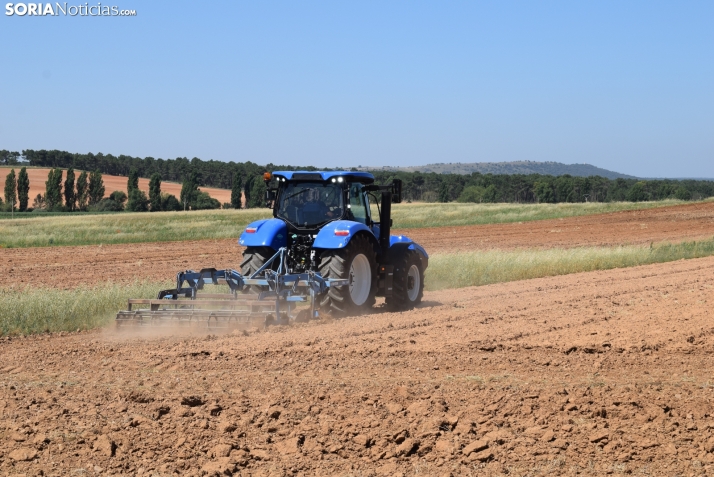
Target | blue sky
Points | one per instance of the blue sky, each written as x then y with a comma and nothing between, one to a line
622,85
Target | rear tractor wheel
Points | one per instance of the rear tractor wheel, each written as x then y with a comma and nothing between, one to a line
408,285
357,262
253,259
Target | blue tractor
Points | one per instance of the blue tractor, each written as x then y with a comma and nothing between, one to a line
325,222
323,246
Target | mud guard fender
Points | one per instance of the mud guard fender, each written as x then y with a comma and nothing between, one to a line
271,233
338,234
400,244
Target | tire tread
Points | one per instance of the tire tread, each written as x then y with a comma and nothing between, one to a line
253,259
399,301
334,264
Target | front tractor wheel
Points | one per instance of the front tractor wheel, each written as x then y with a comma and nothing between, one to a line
408,285
357,262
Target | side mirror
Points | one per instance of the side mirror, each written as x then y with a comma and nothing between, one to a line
270,196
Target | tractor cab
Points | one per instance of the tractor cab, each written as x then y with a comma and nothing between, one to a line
309,204
308,200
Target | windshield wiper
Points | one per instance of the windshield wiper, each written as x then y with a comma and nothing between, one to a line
297,193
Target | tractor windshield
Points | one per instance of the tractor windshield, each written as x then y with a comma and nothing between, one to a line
308,204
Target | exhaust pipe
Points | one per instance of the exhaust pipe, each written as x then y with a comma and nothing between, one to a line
385,221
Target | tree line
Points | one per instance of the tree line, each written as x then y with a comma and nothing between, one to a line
17,190
538,188
244,179
246,176
83,194
88,191
206,173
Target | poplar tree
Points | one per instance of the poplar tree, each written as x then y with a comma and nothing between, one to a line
247,188
82,189
11,189
155,192
257,193
70,199
96,187
23,189
189,190
133,182
53,189
236,191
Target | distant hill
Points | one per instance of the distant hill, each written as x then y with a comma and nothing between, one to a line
515,167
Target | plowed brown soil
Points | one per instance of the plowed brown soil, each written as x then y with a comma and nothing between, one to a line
593,374
675,223
67,267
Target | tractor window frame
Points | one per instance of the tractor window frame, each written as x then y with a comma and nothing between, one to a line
371,196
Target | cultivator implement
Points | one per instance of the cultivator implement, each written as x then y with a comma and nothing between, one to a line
265,297
214,312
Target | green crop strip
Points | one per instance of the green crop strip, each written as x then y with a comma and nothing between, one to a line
86,229
496,266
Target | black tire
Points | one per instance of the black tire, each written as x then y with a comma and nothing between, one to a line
337,264
253,259
406,292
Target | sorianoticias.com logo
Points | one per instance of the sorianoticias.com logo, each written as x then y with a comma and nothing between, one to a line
63,9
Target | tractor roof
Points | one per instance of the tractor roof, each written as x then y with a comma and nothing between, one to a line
349,176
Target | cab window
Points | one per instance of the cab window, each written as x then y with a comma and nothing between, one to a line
357,204
309,204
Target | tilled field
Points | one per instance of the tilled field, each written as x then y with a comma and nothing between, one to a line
673,223
68,267
597,373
